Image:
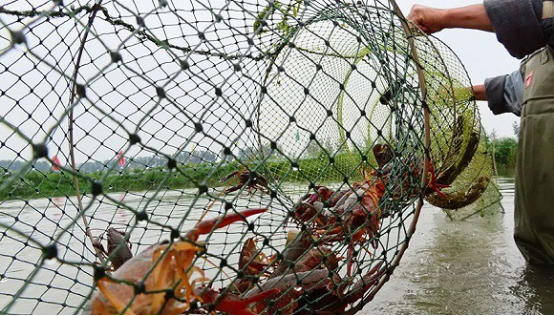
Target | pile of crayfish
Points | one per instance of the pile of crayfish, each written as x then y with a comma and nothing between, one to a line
353,215
159,280
308,272
164,280
304,277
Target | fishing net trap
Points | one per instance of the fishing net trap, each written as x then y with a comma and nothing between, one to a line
222,156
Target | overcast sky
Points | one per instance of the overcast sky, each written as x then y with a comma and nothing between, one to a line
481,54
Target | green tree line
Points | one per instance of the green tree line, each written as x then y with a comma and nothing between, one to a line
505,152
44,184
149,174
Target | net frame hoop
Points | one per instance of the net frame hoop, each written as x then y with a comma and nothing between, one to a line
427,145
423,87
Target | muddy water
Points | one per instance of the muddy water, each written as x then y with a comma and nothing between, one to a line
469,267
62,288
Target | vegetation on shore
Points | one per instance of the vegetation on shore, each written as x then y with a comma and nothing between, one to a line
505,152
38,184
48,183
43,182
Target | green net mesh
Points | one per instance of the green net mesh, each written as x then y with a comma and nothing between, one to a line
229,156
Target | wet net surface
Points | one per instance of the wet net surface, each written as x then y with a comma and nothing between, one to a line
183,156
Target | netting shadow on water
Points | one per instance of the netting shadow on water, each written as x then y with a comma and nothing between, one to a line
229,156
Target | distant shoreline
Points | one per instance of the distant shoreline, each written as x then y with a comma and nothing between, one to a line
39,184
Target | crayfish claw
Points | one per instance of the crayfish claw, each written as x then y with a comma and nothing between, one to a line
229,176
232,189
436,187
233,304
206,226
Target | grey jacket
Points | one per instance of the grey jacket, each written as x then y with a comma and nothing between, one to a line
519,26
505,93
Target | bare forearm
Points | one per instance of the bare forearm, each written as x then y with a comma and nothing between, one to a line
469,17
479,92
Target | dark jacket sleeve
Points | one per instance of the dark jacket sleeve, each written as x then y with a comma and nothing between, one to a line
505,93
494,90
517,24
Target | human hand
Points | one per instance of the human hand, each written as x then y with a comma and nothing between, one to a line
429,20
432,20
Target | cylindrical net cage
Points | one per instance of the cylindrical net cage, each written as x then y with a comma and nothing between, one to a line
229,156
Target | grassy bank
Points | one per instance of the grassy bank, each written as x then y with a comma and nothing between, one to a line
318,169
41,184
35,184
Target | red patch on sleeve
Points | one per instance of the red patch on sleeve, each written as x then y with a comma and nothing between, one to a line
529,80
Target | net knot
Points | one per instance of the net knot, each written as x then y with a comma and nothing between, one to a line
50,252
134,139
40,151
99,272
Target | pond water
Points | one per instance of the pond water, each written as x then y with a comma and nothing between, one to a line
467,267
462,267
64,287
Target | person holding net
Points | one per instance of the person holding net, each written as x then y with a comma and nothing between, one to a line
525,28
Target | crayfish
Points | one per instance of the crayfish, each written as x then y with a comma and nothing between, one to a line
247,179
159,279
252,263
319,290
305,280
310,207
351,214
453,168
456,200
119,250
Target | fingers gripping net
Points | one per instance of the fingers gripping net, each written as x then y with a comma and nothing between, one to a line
125,125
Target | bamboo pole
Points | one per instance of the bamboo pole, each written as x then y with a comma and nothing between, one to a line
88,232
